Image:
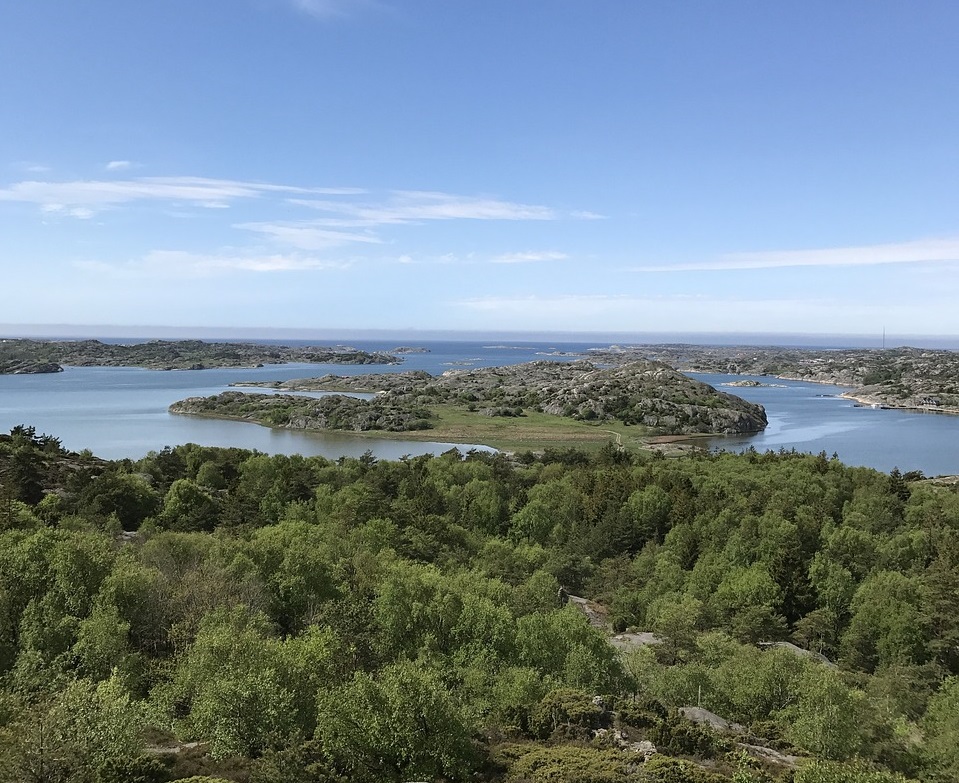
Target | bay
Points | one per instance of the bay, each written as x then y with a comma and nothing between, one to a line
122,412
813,418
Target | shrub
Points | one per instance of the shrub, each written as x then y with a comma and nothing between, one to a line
567,711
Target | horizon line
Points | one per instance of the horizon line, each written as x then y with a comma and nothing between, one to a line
148,331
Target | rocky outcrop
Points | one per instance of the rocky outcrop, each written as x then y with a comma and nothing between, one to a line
711,719
14,367
645,393
799,652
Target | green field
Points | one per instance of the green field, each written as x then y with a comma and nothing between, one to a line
530,432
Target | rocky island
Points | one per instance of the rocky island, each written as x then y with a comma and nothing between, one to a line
45,356
409,349
637,398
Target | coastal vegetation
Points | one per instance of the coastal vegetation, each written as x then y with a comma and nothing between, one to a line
45,356
560,400
222,613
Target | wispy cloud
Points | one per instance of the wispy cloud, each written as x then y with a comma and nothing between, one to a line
98,194
336,208
119,165
329,217
306,236
411,206
529,257
175,264
913,252
81,213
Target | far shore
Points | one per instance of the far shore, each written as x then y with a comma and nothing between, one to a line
854,396
865,399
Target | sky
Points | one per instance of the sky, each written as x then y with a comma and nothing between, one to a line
483,165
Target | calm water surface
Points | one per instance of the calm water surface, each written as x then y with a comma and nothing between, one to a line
122,412
811,417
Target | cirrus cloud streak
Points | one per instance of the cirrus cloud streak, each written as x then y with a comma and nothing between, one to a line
912,252
105,193
306,236
413,206
184,264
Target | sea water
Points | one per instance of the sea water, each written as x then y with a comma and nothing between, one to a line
122,412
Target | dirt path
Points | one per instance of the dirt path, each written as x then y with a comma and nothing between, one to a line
617,436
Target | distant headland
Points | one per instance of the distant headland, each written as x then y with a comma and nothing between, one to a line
22,356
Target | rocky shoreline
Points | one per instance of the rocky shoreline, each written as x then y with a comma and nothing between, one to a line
873,401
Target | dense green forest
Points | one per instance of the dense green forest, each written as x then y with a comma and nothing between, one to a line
234,616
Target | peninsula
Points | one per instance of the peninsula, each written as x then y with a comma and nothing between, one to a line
45,356
572,403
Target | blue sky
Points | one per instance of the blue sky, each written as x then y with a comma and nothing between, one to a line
572,165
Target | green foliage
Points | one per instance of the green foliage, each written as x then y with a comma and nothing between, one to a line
102,645
515,692
565,711
373,620
941,724
129,497
243,689
663,769
88,733
293,565
830,719
403,724
200,779
832,772
677,736
187,507
564,764
561,644
746,602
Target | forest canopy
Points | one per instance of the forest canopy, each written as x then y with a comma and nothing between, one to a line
223,613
